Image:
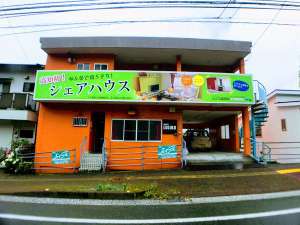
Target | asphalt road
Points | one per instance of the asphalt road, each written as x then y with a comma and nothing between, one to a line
285,211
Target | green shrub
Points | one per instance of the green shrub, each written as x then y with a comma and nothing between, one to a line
13,162
109,187
153,192
15,165
18,143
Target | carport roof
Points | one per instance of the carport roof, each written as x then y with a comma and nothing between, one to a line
209,52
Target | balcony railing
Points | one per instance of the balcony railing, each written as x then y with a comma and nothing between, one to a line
21,101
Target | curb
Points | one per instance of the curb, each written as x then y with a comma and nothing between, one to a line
202,200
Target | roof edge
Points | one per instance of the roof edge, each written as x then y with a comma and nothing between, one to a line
283,92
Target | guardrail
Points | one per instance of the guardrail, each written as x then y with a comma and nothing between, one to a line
139,156
44,161
21,101
285,152
260,151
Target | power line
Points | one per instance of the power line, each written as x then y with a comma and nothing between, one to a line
221,14
102,23
185,20
267,27
96,2
20,44
162,4
264,32
138,7
122,2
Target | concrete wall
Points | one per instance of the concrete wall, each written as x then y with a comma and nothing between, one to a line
8,127
6,132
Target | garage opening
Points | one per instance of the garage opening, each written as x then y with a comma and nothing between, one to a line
212,137
208,131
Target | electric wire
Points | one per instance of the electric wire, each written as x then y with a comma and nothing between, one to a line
102,23
160,4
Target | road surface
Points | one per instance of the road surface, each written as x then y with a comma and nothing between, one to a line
277,211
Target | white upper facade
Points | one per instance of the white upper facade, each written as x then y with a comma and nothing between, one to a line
283,124
16,89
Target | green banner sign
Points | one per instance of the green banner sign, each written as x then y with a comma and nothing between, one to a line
135,86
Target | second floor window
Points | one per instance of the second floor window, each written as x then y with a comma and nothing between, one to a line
4,87
28,87
283,125
100,66
83,66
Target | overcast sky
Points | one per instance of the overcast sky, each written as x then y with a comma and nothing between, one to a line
274,59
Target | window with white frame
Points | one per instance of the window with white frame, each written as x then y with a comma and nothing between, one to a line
136,130
225,132
83,66
100,66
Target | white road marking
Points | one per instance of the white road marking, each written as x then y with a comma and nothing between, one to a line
217,199
150,221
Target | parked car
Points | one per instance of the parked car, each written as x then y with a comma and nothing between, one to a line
197,140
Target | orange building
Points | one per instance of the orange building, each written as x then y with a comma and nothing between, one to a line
151,130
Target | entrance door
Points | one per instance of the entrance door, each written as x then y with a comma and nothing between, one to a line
98,120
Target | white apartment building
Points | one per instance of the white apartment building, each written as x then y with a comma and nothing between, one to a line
282,130
18,111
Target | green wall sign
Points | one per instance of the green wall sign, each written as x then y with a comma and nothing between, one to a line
135,86
61,157
167,151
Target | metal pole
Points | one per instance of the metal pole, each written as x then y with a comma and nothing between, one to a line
263,151
74,169
13,101
253,135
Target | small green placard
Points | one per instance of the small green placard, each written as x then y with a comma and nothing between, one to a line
167,151
61,157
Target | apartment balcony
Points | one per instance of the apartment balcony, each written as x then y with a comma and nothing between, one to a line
17,106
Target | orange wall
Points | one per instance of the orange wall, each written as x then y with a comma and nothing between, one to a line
115,147
60,62
55,132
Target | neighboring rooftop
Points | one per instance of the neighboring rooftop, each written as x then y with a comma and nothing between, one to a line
7,67
208,52
284,92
